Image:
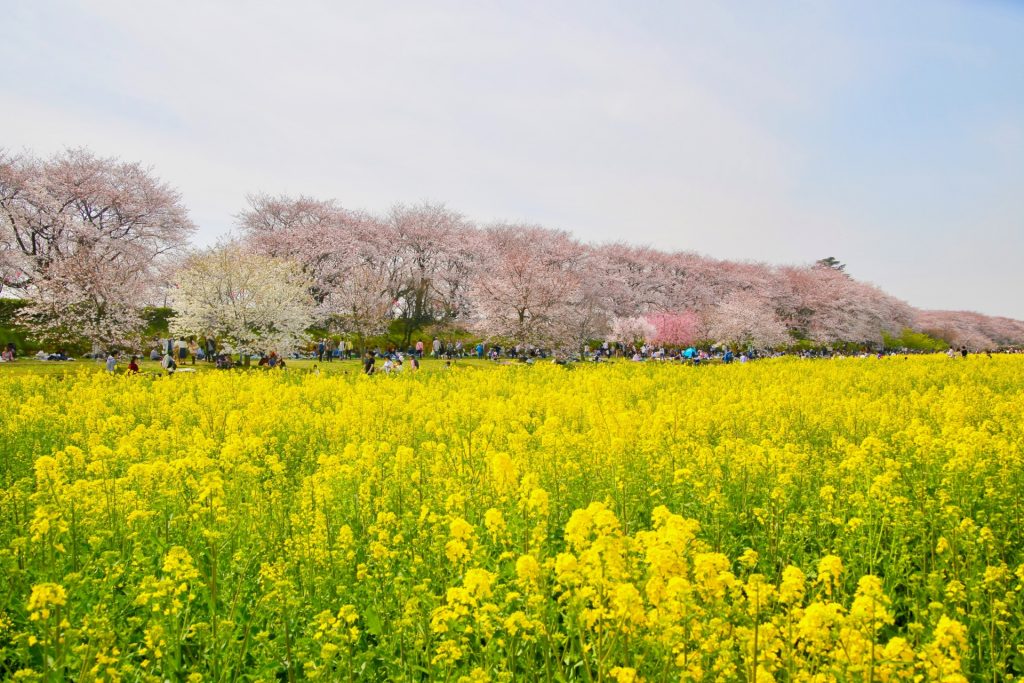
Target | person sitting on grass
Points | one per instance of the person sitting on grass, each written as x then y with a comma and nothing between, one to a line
169,364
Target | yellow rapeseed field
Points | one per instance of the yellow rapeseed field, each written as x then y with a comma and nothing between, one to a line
841,520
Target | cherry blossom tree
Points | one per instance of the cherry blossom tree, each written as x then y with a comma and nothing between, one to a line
675,329
966,328
632,330
425,263
745,319
350,258
84,238
359,304
636,279
825,304
253,302
303,229
429,246
531,286
586,315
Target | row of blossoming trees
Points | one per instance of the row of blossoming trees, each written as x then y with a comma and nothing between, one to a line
89,241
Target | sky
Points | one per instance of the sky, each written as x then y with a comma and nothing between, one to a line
887,134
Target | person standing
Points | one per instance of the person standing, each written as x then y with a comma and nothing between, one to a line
111,362
419,348
320,348
211,350
193,349
437,347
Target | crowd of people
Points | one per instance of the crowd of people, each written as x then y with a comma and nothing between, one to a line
172,354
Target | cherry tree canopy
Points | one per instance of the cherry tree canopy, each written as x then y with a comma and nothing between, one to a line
632,330
85,239
88,240
973,330
251,301
676,329
746,319
531,286
424,264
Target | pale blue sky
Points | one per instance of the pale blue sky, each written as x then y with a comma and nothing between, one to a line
887,134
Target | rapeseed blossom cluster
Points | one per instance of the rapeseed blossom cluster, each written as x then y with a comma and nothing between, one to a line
787,520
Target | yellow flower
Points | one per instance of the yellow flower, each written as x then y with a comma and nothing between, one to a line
477,675
478,582
44,597
178,565
456,551
460,529
624,674
527,569
830,568
494,521
791,588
